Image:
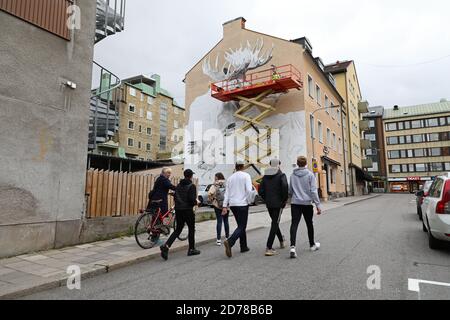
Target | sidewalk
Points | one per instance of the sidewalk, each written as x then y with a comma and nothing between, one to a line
27,274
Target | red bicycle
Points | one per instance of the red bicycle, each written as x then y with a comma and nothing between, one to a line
152,224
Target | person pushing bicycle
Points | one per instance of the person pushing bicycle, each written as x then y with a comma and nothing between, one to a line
158,197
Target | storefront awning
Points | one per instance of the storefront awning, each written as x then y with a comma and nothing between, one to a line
326,159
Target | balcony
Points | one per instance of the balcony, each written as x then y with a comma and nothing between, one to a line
366,144
367,163
364,125
363,107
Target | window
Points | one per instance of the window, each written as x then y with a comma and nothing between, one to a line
132,92
149,131
131,125
402,153
396,168
432,137
175,124
404,168
132,108
327,104
149,115
400,126
340,145
139,145
371,123
407,125
412,168
442,121
421,167
419,153
447,166
150,100
344,121
318,95
392,140
140,129
436,152
141,112
371,152
371,137
342,177
176,110
142,97
418,138
338,112
401,139
408,139
310,87
130,142
410,153
149,147
334,141
328,137
391,126
312,126
437,167
416,124
432,122
435,190
394,154
320,129
374,167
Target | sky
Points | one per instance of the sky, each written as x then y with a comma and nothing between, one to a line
401,48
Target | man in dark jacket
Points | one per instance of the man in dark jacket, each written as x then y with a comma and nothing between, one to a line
274,190
161,188
185,201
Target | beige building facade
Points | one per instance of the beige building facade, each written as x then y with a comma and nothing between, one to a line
348,86
306,122
417,143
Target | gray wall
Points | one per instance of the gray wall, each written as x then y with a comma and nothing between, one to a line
43,133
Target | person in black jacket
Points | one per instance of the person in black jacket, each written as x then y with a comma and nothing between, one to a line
161,188
274,190
185,201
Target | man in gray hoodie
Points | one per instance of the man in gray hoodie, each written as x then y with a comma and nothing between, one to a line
303,191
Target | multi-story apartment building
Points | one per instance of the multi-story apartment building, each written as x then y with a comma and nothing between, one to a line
348,86
417,144
308,120
374,148
151,122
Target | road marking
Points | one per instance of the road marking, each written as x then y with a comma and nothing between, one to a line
413,284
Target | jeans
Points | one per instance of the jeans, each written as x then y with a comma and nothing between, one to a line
222,219
241,216
297,212
275,215
184,217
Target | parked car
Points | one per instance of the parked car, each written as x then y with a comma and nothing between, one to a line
436,212
421,195
203,195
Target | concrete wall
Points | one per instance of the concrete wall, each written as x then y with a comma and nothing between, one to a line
43,133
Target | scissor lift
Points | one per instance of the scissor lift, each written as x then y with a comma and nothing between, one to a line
251,91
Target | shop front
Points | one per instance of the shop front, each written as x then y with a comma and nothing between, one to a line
408,184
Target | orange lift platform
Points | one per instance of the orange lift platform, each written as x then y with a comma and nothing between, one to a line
251,91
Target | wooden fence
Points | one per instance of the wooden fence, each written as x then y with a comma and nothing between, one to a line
118,194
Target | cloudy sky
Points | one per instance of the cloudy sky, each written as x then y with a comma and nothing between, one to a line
401,48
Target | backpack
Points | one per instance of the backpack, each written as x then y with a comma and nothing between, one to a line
220,194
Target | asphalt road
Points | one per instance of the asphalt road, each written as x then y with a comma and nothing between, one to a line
384,232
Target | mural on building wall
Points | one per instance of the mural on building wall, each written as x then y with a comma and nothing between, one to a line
212,121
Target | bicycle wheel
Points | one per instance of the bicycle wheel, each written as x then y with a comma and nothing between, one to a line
144,238
184,234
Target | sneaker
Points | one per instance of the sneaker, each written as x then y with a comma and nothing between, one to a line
315,247
293,254
227,249
244,250
218,243
164,252
193,252
283,243
271,253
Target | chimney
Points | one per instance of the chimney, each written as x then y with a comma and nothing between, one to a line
234,25
396,108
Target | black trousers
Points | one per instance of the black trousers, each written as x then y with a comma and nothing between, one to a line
184,217
297,211
241,216
275,214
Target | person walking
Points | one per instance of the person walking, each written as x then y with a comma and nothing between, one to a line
303,190
237,192
160,191
185,201
216,195
274,190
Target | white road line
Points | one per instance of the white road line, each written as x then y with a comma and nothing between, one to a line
414,284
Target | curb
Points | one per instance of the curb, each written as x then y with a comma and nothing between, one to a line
361,200
102,269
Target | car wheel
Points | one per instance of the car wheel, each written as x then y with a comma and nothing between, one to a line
424,228
433,243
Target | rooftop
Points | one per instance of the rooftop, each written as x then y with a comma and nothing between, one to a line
418,110
338,67
374,112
